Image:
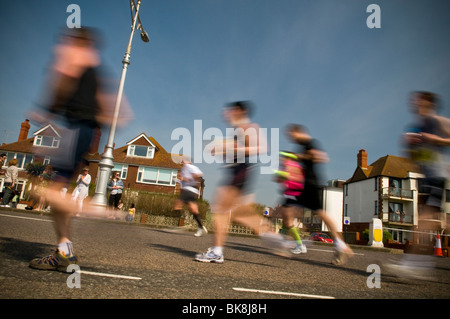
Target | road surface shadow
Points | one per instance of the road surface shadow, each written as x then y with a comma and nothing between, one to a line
24,250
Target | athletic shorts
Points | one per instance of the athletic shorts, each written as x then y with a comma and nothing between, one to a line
239,175
71,151
188,196
310,198
290,201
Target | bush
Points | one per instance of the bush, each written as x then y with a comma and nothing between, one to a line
157,203
386,235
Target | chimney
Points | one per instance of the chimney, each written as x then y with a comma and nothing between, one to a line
362,159
24,128
95,141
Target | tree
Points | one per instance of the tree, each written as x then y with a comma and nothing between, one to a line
34,170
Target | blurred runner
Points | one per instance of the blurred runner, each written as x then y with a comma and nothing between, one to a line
80,99
427,142
310,155
292,178
191,179
233,199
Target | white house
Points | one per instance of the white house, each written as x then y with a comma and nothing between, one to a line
333,203
387,189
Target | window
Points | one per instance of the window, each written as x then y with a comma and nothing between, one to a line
122,169
141,151
397,235
18,187
376,208
395,212
160,176
22,159
48,141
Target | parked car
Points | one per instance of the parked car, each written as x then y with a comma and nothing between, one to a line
321,237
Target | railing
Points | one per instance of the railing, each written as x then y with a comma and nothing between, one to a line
397,192
189,221
400,218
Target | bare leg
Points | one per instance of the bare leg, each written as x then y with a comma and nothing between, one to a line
226,198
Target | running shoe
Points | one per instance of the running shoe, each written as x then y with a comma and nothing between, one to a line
201,231
299,249
209,257
341,257
276,244
57,261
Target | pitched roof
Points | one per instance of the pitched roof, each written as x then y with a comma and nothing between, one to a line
24,146
141,139
48,130
161,158
389,165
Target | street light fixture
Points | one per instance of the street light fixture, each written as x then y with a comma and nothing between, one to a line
106,163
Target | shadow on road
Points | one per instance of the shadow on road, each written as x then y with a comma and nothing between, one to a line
24,250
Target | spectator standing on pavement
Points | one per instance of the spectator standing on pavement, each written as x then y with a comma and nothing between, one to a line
2,160
115,186
131,213
81,190
11,175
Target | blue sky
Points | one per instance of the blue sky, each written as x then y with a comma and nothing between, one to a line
310,62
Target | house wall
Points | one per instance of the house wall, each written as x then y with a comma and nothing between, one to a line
332,201
409,206
130,181
360,199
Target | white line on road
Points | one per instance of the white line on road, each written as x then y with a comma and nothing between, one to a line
283,293
331,251
81,271
109,275
29,218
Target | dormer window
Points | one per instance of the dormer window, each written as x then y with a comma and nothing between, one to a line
141,151
47,141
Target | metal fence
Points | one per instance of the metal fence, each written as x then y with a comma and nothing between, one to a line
188,222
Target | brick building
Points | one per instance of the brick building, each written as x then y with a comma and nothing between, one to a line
143,163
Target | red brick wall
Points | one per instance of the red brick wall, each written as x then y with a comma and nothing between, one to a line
130,181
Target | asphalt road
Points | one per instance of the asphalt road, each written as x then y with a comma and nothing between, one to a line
131,261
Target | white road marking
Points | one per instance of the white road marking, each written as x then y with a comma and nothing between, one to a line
81,271
109,275
29,218
332,251
283,293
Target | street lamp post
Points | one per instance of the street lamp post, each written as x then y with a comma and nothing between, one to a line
106,163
